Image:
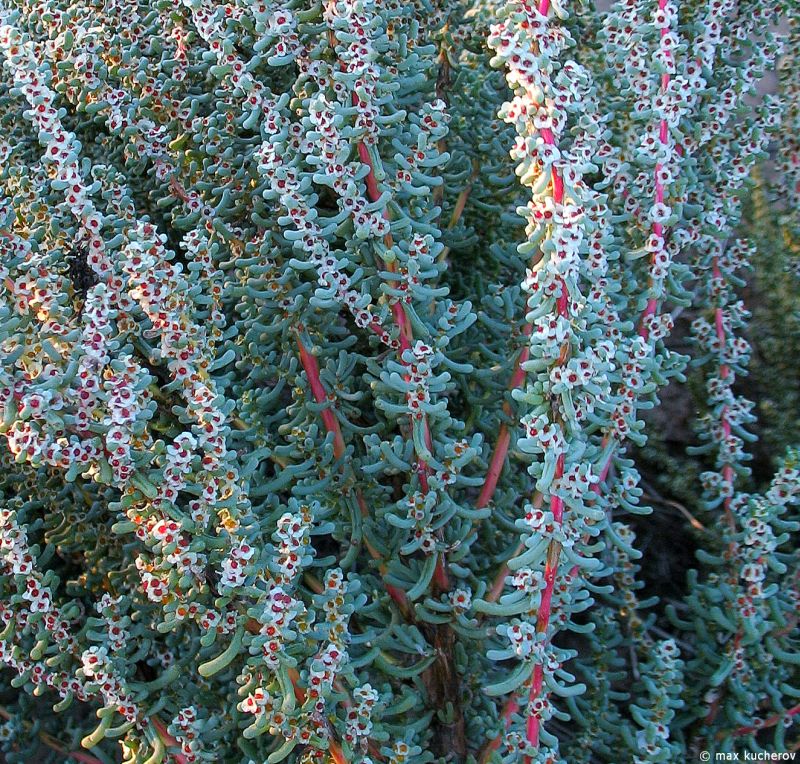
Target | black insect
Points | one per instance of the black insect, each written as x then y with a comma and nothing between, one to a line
80,273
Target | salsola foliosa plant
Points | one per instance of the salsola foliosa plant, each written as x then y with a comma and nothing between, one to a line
327,330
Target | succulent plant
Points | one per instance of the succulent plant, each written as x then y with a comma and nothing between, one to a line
326,333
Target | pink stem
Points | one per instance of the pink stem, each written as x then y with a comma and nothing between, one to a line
769,722
556,504
363,154
518,375
724,371
329,419
331,423
376,328
403,323
503,436
532,724
495,467
511,707
84,758
168,739
603,474
658,228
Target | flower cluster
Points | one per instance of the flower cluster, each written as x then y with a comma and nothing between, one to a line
326,337
97,668
188,729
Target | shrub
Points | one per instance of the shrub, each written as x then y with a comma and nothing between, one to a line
326,334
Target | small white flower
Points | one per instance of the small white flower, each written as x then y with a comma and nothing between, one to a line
659,212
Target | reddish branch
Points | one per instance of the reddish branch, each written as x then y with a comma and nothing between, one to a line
658,228
532,724
770,721
168,739
503,441
504,435
518,375
724,373
441,680
334,747
458,209
727,474
406,338
311,367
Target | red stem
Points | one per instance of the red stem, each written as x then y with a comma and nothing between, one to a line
724,372
556,504
168,739
518,375
511,706
311,367
398,595
363,154
770,721
532,724
84,758
504,435
337,755
329,419
401,319
658,228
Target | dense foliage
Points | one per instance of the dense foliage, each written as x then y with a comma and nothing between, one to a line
328,335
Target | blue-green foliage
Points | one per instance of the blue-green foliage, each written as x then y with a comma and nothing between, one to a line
326,333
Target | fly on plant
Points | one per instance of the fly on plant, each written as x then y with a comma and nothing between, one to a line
80,273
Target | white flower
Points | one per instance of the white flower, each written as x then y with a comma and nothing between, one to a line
659,212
